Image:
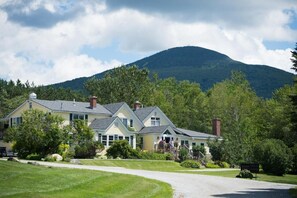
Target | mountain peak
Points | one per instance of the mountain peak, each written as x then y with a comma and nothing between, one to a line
205,67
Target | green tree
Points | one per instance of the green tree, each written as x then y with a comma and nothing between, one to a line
236,104
83,140
121,84
39,133
274,155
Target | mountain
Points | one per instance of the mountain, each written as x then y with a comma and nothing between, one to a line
205,67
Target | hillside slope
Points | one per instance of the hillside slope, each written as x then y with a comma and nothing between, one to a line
205,67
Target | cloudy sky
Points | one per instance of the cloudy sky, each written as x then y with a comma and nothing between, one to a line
49,41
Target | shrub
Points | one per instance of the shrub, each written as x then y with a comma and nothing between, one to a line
223,164
211,165
190,164
68,155
169,156
216,150
34,156
183,154
245,174
274,155
197,150
122,149
50,158
86,150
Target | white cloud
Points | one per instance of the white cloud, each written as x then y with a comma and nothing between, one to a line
54,54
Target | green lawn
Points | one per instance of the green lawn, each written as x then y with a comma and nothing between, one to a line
23,180
154,165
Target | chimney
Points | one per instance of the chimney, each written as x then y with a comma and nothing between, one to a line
93,102
216,126
137,105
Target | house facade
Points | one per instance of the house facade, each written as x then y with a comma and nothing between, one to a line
117,121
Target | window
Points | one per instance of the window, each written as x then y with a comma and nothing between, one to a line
110,140
125,122
116,137
131,123
74,116
99,137
155,121
193,143
15,121
202,144
184,142
104,139
127,138
131,142
121,137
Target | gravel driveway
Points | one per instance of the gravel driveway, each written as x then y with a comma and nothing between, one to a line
194,185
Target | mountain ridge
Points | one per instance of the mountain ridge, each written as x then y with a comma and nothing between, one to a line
203,66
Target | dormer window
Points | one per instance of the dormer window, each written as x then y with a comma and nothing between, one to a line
155,121
125,122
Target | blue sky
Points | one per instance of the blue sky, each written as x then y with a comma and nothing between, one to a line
50,41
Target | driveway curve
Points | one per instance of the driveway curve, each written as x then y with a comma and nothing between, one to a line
194,185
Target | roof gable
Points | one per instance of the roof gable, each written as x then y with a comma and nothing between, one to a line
144,113
114,107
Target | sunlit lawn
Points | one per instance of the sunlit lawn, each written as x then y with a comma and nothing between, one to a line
23,180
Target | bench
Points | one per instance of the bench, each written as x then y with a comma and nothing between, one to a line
253,167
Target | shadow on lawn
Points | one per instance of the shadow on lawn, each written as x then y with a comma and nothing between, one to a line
258,193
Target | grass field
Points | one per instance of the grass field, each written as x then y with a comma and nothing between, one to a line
23,180
170,166
153,165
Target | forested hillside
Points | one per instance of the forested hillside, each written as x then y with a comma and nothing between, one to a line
205,67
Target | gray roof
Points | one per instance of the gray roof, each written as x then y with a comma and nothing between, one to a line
70,106
102,124
113,107
154,129
142,113
195,134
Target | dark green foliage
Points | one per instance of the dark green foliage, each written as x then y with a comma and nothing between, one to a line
294,154
86,150
183,154
245,174
197,150
274,156
190,164
216,149
38,133
123,150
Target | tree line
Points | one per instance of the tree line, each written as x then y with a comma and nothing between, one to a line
247,120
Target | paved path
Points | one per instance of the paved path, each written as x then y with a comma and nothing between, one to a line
194,185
